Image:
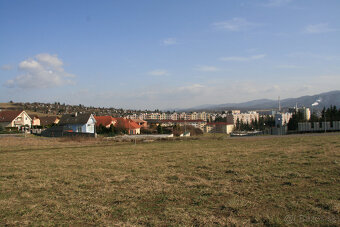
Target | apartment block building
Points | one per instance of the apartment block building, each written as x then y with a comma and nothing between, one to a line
242,117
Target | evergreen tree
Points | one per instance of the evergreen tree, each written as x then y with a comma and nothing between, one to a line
314,118
296,118
159,129
238,125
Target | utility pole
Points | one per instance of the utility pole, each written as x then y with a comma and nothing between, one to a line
325,121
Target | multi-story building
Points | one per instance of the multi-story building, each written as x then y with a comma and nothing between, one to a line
196,123
171,116
235,111
282,119
242,117
306,113
202,116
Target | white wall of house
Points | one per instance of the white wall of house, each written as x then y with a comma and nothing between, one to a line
21,120
90,125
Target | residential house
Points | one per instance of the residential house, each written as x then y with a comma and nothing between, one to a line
15,119
106,121
142,123
82,123
219,127
129,125
35,120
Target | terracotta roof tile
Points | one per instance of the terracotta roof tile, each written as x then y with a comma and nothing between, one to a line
9,115
127,123
104,120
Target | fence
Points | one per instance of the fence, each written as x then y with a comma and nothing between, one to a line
318,126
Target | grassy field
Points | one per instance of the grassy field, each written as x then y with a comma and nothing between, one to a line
210,181
15,106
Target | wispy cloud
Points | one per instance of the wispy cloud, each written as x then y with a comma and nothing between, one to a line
288,67
235,25
313,55
42,71
169,41
206,68
318,28
193,88
276,3
158,72
237,58
6,67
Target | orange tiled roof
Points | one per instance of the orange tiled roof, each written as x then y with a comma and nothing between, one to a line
104,120
127,123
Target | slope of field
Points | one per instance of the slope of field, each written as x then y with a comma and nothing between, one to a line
15,106
209,181
5,105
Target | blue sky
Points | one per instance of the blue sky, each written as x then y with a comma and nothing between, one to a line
147,54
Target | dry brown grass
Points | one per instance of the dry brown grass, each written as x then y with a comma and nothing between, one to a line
16,106
211,181
6,105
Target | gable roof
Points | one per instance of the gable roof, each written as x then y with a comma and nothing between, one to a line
75,119
9,115
48,120
104,120
127,123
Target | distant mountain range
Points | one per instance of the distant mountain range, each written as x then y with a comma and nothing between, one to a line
316,101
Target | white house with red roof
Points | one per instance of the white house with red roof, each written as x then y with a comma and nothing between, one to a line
15,119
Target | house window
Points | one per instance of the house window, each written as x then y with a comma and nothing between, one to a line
79,129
